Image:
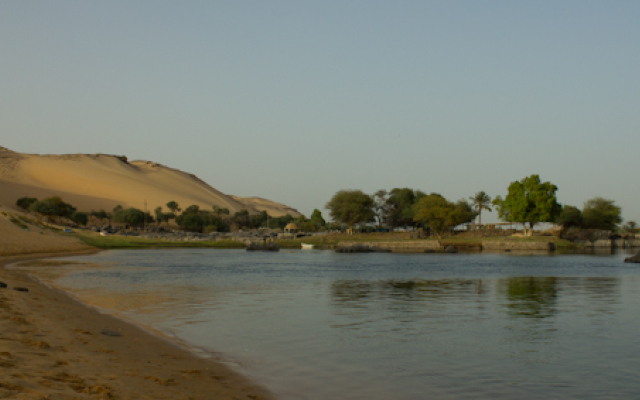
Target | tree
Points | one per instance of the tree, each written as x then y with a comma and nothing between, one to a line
159,214
630,226
241,218
316,219
440,215
529,201
173,206
599,213
131,216
80,218
53,206
194,219
351,207
570,217
400,206
481,201
25,202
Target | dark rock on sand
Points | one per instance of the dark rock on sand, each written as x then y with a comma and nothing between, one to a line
21,289
263,247
3,285
108,332
360,248
633,259
450,249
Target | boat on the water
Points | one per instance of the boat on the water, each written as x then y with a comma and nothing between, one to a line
308,246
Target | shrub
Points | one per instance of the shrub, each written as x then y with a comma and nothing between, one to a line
25,202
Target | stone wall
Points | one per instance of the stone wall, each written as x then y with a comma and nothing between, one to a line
412,245
508,245
610,244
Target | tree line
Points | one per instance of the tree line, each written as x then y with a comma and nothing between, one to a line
529,201
192,218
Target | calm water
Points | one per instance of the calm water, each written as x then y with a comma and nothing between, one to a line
321,325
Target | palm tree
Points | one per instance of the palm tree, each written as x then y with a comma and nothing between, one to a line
481,201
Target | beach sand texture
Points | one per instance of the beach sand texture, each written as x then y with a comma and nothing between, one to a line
98,181
53,347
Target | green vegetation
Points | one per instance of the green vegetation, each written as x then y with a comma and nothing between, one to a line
130,216
479,202
25,202
52,207
529,201
440,215
570,217
18,223
126,242
599,213
195,220
351,207
79,217
400,209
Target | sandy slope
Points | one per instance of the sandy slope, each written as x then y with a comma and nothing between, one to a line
97,181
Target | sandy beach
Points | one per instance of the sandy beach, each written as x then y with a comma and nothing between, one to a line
53,347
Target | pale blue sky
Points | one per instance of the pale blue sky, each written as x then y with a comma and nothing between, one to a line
294,100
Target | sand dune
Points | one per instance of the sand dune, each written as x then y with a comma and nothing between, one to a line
99,181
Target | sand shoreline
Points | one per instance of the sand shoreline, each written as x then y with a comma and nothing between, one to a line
51,347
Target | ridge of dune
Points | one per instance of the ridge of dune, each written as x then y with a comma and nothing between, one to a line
271,207
102,181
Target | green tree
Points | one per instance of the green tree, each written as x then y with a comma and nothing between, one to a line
570,217
131,216
53,206
599,213
25,202
159,214
173,206
400,206
439,214
241,218
194,219
631,226
316,219
529,201
79,217
351,207
481,201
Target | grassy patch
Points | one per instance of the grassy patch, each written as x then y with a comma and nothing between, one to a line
17,222
132,242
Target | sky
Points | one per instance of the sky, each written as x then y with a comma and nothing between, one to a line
295,100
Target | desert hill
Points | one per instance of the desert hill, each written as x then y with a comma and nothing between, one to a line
101,181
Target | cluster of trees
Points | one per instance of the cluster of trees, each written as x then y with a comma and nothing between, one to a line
597,213
52,207
529,201
400,207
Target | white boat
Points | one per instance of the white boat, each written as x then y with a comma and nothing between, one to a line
307,246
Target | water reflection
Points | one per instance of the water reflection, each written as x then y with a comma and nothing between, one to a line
530,297
353,293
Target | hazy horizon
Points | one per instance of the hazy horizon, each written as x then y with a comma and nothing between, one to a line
294,101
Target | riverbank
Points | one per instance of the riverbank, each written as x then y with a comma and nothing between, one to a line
54,347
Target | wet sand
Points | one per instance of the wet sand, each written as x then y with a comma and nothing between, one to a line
53,347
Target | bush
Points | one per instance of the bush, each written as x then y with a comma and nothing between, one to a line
80,218
193,219
25,202
130,216
53,206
